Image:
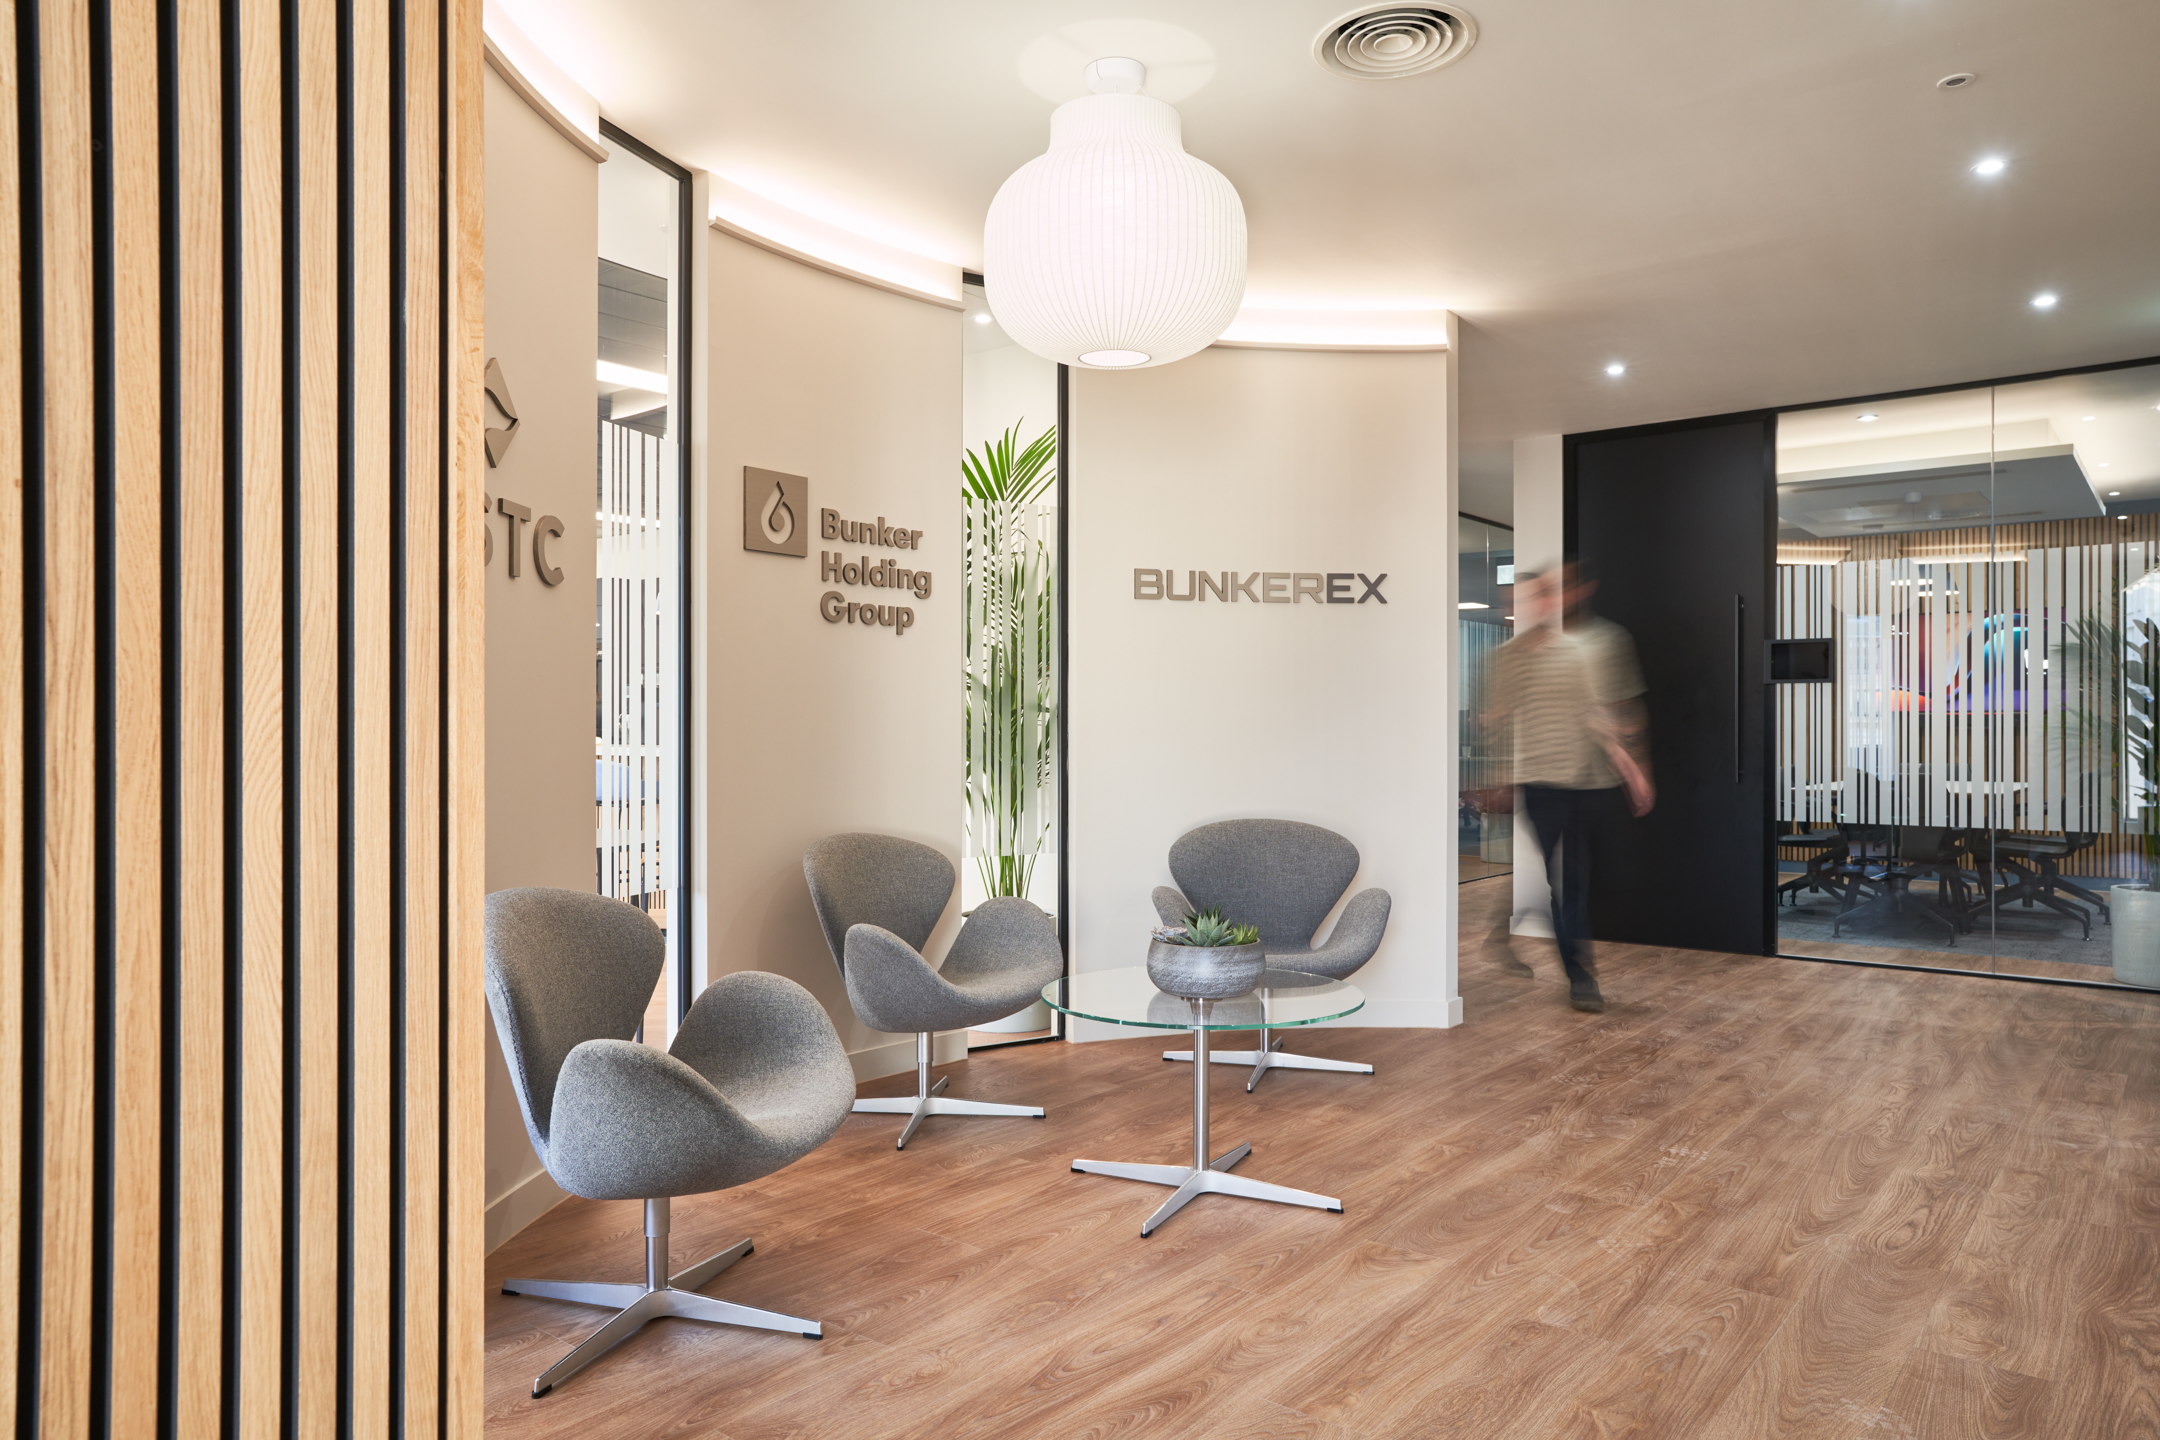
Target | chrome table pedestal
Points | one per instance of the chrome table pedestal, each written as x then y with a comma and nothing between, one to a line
1203,1176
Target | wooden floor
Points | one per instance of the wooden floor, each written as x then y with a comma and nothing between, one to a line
1754,1198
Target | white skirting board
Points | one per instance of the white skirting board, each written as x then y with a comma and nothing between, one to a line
519,1206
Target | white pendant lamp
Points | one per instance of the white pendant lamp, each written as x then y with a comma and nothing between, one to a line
1116,249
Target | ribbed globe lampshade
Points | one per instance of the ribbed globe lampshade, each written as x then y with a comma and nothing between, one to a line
1116,243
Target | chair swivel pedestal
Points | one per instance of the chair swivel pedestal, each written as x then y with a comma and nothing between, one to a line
1283,877
1271,1055
661,1296
756,1078
878,897
930,1099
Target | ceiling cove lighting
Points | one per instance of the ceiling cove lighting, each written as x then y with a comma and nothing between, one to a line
1993,165
1616,369
2045,300
1115,248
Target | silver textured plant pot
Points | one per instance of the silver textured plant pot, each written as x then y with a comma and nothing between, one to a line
2136,934
1205,972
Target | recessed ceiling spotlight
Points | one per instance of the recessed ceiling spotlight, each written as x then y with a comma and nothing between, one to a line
2088,417
982,317
1992,165
1868,419
2104,464
1472,605
2113,493
1956,82
2045,300
1616,369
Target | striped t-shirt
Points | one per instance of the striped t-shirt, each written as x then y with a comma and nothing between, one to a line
1555,690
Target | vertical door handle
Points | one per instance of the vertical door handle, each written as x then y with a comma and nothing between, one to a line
1739,687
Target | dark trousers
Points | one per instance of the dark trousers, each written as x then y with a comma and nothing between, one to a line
1564,821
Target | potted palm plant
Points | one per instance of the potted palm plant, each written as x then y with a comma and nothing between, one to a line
1008,583
1206,958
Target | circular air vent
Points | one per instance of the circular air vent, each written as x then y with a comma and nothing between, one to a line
1388,42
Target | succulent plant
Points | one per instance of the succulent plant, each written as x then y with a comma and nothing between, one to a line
1208,929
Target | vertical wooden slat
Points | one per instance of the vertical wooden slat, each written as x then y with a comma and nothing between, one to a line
367,699
12,1096
262,724
316,714
70,761
197,1345
465,655
69,764
138,721
421,853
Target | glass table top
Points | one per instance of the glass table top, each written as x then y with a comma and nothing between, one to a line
1127,997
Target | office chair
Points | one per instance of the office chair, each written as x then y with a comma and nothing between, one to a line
878,897
755,1080
1283,877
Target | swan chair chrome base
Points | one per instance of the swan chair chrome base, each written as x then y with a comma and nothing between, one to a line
1284,877
1271,1056
661,1296
929,1099
877,898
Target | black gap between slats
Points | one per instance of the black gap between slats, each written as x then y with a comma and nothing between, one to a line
234,596
104,703
400,456
347,334
295,701
29,1355
171,813
447,499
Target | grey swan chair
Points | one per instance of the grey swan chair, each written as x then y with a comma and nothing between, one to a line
755,1080
878,898
1284,877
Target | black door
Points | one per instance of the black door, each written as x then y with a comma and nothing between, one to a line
1679,522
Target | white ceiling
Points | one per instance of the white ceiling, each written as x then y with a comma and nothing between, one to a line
1749,204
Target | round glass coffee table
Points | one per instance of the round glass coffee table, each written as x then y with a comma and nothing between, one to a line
1126,996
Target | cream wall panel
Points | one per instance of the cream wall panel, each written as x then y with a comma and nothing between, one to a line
1338,715
814,728
543,238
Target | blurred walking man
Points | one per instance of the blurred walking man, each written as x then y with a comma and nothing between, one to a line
1570,686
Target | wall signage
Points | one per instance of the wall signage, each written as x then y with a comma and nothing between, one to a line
547,527
775,512
838,567
1263,587
498,438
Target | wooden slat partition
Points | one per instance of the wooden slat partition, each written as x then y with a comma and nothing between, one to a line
240,682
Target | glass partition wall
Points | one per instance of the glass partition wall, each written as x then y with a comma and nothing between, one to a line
1964,772
639,778
1485,620
1009,500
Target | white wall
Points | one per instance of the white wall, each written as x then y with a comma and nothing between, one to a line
1540,539
1339,715
541,324
810,728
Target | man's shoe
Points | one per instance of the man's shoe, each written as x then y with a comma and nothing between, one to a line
1587,998
1505,959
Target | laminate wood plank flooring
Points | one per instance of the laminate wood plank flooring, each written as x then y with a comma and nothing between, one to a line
1754,1198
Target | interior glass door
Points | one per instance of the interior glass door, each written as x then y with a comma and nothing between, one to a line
1485,620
